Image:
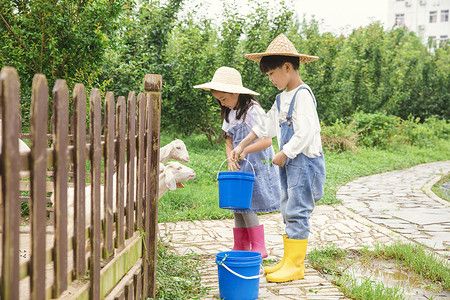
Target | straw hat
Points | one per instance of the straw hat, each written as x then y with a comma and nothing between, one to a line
281,45
227,80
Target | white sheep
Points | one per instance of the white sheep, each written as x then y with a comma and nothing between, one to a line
23,148
174,150
172,177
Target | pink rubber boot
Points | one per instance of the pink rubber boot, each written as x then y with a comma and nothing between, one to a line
256,235
241,240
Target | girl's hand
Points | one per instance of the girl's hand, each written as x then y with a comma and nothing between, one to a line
279,159
236,153
233,165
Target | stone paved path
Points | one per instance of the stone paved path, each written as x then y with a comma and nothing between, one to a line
403,202
379,208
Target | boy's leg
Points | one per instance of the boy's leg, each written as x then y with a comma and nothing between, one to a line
283,192
305,187
305,184
283,204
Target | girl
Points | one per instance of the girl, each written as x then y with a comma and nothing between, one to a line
240,112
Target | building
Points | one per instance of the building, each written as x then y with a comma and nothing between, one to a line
428,18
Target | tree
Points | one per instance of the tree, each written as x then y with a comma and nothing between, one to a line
60,39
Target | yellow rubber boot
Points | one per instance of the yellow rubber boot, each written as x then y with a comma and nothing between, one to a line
294,262
271,269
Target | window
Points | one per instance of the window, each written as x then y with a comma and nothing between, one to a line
431,41
443,39
433,16
399,19
444,15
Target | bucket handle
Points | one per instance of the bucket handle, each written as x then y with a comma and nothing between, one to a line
230,158
242,276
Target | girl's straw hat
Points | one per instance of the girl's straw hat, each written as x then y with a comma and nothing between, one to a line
226,80
281,45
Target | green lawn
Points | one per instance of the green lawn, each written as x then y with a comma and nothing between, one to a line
199,199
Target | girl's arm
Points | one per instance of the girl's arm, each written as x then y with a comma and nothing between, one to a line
232,165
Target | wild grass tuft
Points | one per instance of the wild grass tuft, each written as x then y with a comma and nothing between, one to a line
334,261
419,259
177,275
439,190
367,289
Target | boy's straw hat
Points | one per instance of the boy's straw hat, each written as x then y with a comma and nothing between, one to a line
281,45
227,80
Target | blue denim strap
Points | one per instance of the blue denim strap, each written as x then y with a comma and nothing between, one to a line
291,106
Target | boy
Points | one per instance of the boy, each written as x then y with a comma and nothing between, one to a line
293,119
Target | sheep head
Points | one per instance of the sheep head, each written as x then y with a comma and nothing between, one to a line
174,150
176,173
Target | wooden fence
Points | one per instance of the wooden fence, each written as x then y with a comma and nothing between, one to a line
112,256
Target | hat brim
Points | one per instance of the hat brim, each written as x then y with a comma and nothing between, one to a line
224,87
303,58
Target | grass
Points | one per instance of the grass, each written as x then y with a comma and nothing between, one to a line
438,188
367,289
414,257
180,282
199,199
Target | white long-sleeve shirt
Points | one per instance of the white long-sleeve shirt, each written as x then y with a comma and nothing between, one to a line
306,138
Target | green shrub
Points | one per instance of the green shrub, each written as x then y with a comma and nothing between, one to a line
376,130
427,133
339,136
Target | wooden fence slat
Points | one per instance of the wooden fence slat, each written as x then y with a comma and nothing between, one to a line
10,219
131,153
120,162
109,133
153,84
146,207
96,157
61,132
129,291
79,125
138,285
39,118
140,161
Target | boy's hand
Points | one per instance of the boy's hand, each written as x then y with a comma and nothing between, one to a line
236,152
279,159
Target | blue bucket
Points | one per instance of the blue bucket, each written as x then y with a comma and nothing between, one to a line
239,273
235,189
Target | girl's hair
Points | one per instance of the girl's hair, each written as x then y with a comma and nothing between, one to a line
271,62
243,104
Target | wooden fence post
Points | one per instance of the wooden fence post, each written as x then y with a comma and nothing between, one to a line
152,85
79,102
96,157
140,161
131,153
9,164
120,169
61,140
110,132
38,203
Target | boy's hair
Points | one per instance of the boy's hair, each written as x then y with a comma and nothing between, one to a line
243,104
271,62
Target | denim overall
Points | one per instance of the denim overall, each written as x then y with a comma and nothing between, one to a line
302,181
266,188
